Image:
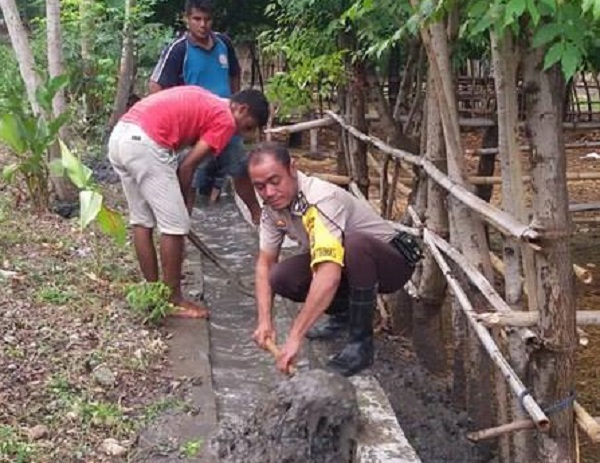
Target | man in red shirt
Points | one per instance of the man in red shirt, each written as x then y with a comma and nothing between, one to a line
143,150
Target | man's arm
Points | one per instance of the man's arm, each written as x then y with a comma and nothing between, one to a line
264,296
324,285
169,68
245,190
188,167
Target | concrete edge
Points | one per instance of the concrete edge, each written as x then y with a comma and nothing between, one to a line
381,439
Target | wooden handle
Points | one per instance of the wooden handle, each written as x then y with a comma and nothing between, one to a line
275,352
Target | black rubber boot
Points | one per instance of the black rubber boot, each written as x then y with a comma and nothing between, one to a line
357,354
336,322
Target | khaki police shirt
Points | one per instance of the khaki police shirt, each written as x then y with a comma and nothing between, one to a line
319,221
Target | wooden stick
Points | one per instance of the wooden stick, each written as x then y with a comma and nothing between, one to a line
584,275
525,319
518,425
302,126
529,404
574,145
206,251
275,352
587,423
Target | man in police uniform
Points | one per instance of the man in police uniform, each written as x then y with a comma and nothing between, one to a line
348,254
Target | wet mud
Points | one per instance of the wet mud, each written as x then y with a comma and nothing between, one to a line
312,417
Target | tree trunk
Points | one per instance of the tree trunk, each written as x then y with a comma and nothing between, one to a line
20,43
86,33
552,368
55,54
126,70
467,234
427,316
65,190
358,109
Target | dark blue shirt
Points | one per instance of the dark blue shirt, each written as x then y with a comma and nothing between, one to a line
184,63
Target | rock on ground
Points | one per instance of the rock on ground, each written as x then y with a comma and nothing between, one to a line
312,417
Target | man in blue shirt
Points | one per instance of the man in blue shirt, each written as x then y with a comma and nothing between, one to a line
207,59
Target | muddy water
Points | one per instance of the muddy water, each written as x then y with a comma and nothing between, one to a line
242,373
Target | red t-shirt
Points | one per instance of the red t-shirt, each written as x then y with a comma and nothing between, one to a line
178,117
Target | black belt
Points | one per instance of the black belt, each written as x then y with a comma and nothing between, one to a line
407,246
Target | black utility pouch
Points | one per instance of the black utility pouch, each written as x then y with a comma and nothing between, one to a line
408,247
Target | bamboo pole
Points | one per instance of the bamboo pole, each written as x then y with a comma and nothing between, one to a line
529,404
531,318
301,126
490,433
574,145
587,423
482,284
496,217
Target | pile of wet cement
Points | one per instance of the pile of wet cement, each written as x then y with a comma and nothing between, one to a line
312,417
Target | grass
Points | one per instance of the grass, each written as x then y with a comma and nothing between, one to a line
14,446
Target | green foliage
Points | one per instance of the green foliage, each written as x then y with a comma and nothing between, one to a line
14,447
150,300
191,448
91,201
29,137
565,29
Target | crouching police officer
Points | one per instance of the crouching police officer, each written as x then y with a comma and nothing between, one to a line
348,254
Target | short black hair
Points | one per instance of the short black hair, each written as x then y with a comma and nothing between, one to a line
276,150
203,5
257,105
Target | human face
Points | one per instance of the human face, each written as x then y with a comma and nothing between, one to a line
246,124
276,184
199,24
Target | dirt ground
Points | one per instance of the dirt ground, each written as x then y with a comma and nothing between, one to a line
422,401
79,372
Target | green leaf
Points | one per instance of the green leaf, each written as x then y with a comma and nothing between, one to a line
534,12
554,54
547,33
11,133
112,223
587,5
570,61
90,204
9,171
79,173
514,10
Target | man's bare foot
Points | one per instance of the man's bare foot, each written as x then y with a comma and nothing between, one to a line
188,309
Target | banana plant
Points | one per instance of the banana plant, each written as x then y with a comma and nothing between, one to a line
91,200
29,137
